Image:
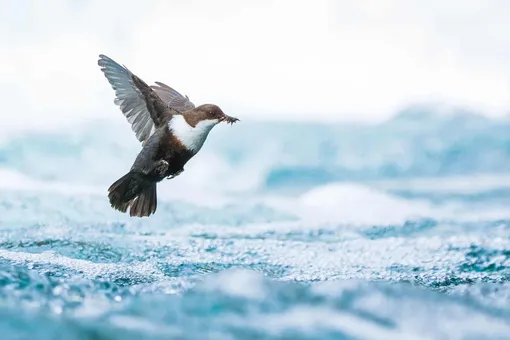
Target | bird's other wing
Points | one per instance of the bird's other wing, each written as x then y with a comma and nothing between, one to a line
139,103
173,98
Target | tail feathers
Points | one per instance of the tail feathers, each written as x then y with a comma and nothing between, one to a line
146,203
136,192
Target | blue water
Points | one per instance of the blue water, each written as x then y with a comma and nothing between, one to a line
397,230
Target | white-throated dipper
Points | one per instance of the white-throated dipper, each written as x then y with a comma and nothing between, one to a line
172,130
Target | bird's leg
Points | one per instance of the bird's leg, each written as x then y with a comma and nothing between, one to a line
159,168
175,174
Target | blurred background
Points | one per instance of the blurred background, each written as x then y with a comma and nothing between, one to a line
373,152
279,60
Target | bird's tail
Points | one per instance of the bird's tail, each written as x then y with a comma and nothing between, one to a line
136,191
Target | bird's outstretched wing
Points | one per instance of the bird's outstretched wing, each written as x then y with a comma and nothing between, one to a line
141,104
173,98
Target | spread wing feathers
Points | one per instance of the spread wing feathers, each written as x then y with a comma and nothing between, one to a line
173,98
138,102
158,110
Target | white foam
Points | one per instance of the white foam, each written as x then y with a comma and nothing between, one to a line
88,269
134,323
308,319
353,203
211,181
239,283
467,184
356,204
169,190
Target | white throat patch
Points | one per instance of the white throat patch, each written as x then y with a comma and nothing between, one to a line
191,137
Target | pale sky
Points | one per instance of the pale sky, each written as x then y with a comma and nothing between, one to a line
354,60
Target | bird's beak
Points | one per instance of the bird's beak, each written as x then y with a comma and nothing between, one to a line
229,119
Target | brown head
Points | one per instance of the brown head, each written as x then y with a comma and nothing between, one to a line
207,112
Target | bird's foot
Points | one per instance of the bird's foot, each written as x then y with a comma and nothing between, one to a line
161,167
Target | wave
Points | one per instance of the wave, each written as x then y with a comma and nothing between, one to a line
244,239
277,155
245,304
354,204
347,203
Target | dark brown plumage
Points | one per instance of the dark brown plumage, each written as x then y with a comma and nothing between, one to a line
172,131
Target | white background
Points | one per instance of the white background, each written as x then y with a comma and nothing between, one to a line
357,60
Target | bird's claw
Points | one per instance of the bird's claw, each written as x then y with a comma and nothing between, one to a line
161,166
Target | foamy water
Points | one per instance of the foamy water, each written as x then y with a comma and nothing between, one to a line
397,230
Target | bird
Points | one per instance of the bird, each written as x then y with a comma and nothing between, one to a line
171,131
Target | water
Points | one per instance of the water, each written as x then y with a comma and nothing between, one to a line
399,230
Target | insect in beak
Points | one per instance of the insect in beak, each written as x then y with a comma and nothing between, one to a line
229,119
